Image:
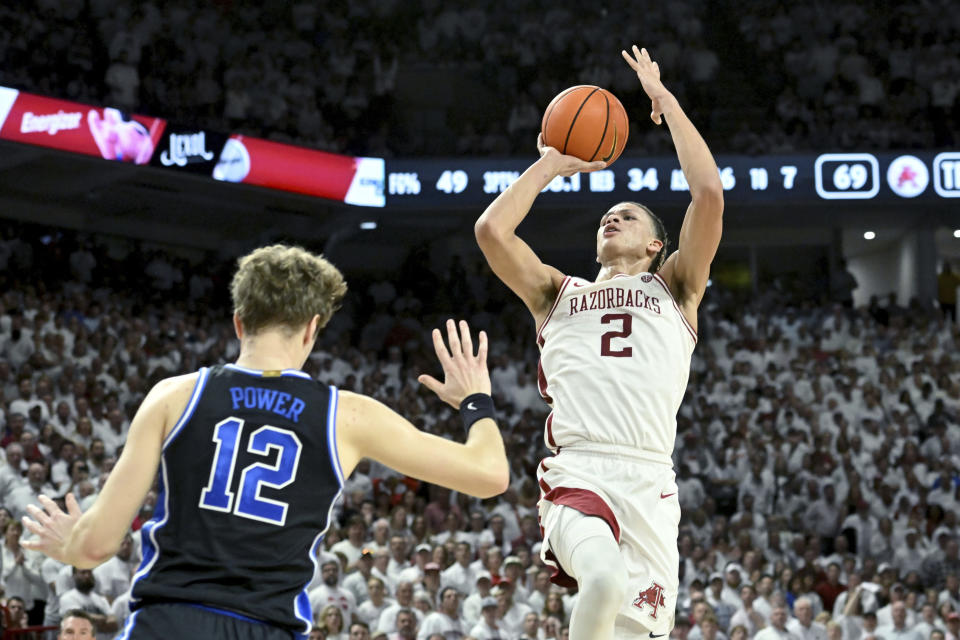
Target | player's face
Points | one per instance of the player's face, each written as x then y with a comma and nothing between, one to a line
624,228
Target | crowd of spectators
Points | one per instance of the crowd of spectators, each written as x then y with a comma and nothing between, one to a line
817,455
762,76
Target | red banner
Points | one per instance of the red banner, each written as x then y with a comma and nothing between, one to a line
92,131
282,166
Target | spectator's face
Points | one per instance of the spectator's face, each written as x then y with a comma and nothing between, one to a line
833,572
899,613
76,628
358,632
746,594
450,600
26,389
16,609
709,628
530,623
375,589
398,547
333,620
14,455
462,554
738,634
317,634
551,626
699,610
406,622
804,612
405,593
83,580
36,474
778,617
330,572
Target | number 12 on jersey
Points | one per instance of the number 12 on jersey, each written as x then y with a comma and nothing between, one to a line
217,495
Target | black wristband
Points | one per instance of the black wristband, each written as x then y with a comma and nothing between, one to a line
476,407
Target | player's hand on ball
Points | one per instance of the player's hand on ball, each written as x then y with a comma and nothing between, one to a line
648,72
463,372
566,165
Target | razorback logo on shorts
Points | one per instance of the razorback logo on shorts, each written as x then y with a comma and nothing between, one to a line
653,596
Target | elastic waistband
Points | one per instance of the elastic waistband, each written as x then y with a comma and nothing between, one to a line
206,607
619,450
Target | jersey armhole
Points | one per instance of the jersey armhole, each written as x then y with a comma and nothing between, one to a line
189,409
332,434
563,286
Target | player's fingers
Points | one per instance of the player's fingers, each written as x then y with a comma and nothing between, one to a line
465,339
629,59
49,505
645,54
442,354
482,349
38,514
430,383
453,340
596,165
656,68
73,507
33,527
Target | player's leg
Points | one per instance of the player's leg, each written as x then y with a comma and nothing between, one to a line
586,548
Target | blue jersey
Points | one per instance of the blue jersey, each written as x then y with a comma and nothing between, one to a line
248,479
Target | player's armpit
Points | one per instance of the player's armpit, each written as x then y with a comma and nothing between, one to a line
99,532
367,428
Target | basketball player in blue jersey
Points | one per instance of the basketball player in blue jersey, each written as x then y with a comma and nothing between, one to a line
614,361
252,457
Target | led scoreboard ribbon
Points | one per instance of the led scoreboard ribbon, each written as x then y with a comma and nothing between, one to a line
793,179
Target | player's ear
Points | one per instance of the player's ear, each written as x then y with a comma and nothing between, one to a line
654,246
238,326
312,330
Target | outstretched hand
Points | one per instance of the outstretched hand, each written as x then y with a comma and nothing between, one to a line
567,165
52,525
648,72
463,372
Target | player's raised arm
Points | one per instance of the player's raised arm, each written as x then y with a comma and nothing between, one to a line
688,269
368,429
511,258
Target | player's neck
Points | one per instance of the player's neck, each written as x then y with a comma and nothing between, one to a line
622,265
270,351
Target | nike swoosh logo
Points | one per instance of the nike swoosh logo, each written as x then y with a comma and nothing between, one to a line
576,284
664,496
613,147
471,407
657,635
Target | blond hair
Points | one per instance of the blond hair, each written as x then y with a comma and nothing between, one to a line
284,286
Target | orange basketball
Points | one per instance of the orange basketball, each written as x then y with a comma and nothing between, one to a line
587,122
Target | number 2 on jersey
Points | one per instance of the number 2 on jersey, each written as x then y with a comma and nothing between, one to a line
217,495
625,330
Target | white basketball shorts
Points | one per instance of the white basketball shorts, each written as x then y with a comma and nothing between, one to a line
636,495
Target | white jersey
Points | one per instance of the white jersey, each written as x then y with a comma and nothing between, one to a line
614,364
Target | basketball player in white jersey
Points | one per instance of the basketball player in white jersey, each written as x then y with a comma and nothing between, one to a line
615,356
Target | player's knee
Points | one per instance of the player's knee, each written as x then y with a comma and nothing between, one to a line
605,582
